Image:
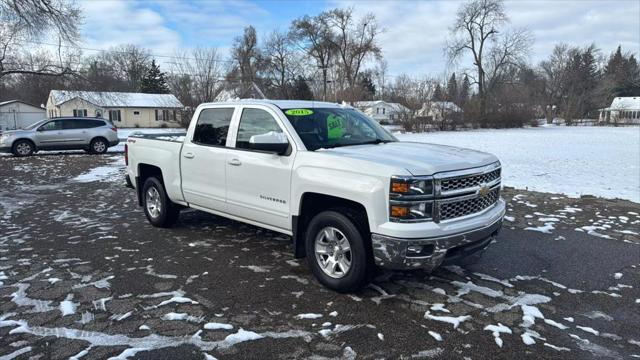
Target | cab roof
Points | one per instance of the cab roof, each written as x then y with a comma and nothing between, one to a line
284,104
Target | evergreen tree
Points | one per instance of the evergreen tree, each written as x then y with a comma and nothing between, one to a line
154,81
437,94
452,89
464,93
368,86
301,90
622,75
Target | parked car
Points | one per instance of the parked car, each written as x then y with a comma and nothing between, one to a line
92,135
348,192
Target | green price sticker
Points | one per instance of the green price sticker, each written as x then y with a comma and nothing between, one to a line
299,112
335,127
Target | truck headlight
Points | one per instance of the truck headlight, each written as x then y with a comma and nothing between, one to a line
411,198
408,211
411,186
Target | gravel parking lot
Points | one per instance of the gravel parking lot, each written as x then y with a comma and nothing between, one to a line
83,275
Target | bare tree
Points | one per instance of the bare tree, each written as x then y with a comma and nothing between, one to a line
477,31
355,40
129,63
281,62
23,21
197,77
314,35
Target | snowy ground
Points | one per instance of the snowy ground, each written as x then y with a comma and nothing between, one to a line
83,275
600,161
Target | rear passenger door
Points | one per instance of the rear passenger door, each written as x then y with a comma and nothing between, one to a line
75,132
203,159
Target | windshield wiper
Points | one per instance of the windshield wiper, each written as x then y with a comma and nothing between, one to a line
374,142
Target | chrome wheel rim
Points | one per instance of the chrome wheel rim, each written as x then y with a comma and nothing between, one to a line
23,148
99,146
333,252
154,204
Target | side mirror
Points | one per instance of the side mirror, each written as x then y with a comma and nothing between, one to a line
275,142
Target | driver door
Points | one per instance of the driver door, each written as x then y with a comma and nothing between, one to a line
258,182
50,135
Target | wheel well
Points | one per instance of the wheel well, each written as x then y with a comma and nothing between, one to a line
99,137
146,171
24,139
314,203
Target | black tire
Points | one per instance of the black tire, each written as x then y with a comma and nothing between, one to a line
98,146
361,261
168,212
23,148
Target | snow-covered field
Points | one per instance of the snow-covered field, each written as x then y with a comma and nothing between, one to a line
600,161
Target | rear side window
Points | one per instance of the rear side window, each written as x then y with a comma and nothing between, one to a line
212,127
255,122
82,124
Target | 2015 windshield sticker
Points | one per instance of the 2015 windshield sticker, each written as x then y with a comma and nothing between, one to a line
299,112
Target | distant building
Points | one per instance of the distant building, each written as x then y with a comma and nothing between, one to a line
382,111
123,109
623,111
16,114
439,110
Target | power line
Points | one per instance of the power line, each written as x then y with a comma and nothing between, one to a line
128,52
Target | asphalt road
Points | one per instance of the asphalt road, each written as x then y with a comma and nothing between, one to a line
83,274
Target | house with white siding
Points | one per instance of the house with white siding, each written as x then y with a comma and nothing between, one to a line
382,111
121,108
623,111
17,114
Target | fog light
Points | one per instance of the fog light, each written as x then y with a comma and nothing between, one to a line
420,250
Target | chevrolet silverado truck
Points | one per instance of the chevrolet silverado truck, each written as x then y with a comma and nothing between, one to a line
350,194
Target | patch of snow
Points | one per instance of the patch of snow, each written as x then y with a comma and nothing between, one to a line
217,326
308,316
589,330
241,336
455,321
557,348
546,229
435,335
381,336
496,330
257,269
68,307
181,317
617,276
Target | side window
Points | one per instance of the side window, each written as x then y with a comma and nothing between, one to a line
212,127
51,126
255,122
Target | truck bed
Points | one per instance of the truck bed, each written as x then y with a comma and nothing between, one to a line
173,137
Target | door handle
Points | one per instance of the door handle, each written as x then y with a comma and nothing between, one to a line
235,162
189,155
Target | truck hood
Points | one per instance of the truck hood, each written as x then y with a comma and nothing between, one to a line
417,158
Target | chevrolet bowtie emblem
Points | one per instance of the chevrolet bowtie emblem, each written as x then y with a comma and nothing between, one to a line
483,190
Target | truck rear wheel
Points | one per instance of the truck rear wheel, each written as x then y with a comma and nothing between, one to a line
159,209
336,252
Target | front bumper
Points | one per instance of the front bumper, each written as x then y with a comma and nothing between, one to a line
5,149
392,253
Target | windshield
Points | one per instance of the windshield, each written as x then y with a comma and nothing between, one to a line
35,125
333,127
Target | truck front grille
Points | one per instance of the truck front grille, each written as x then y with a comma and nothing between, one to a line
461,182
454,208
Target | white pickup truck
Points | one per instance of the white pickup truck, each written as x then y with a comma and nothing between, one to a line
347,191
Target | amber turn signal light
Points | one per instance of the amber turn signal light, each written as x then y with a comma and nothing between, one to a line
400,187
399,211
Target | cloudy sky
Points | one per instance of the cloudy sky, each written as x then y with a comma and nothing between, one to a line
414,31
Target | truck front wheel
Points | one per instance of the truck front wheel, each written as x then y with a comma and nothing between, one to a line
336,252
159,209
